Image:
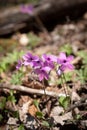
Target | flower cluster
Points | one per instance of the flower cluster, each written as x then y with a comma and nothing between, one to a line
43,65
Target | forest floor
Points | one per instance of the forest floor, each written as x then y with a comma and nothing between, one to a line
23,103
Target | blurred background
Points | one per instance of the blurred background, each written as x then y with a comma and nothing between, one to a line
42,27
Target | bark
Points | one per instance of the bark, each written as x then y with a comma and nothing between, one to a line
49,11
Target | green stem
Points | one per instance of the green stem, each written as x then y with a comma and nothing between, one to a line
63,84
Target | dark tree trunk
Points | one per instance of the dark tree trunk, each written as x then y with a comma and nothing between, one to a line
49,11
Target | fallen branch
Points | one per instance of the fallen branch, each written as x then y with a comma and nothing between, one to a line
30,90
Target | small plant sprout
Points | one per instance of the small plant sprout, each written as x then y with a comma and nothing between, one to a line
42,66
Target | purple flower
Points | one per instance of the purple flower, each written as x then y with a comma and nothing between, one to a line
42,74
27,9
49,58
19,64
29,59
49,61
63,59
48,66
37,63
65,62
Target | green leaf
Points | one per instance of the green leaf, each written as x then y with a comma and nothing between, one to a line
39,115
21,127
15,114
1,117
36,103
8,60
78,116
11,97
16,78
45,123
67,49
83,55
64,101
2,103
68,77
81,74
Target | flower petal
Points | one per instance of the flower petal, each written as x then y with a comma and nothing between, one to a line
62,55
53,58
19,64
59,72
70,58
70,66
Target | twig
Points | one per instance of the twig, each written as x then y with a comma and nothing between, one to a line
76,60
78,104
29,90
